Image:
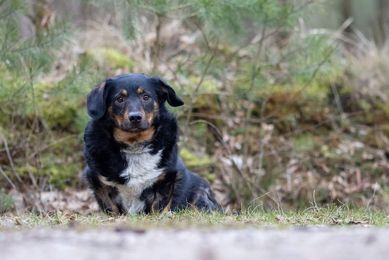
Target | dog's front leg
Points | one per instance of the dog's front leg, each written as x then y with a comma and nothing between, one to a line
107,197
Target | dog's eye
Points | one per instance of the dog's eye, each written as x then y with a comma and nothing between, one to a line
120,99
146,97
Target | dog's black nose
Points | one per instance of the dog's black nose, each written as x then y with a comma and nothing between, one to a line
135,117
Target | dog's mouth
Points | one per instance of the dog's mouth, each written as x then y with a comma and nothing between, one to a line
135,130
134,127
133,135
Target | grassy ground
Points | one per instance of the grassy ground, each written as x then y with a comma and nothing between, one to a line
192,219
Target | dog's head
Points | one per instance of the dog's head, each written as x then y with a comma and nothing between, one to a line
133,102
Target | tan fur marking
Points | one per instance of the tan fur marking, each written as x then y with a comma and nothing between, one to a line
111,113
124,92
155,203
130,138
150,115
140,90
119,119
168,206
102,193
161,177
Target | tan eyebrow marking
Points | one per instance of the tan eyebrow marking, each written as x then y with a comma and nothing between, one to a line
124,92
140,90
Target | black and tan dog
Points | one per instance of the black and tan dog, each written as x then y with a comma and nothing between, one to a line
131,149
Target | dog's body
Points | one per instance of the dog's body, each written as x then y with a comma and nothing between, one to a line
131,150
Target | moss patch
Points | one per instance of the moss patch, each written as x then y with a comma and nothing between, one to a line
108,57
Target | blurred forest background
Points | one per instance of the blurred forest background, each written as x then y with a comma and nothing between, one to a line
287,102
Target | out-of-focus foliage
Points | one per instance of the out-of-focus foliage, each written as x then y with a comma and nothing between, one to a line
277,114
6,202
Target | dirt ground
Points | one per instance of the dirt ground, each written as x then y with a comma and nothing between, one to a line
268,243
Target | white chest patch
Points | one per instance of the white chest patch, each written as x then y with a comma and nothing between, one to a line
141,173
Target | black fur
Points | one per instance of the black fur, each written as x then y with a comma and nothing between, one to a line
176,188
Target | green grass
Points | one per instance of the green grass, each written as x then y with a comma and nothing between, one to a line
193,219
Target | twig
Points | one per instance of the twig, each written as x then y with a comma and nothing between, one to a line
296,94
314,201
10,157
261,142
194,93
232,161
337,98
157,43
46,146
249,110
8,179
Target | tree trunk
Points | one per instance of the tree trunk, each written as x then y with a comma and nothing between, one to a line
43,15
347,12
380,34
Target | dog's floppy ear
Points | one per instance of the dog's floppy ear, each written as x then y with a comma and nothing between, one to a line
168,93
96,101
